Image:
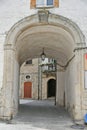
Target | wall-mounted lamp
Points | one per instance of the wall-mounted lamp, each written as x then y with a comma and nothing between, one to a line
43,55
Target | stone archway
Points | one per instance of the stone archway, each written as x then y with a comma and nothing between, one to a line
59,36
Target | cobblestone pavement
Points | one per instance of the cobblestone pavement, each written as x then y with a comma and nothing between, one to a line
39,115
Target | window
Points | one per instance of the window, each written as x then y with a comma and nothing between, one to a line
44,3
28,76
49,2
29,62
39,3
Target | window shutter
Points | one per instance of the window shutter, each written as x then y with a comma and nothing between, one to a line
33,4
56,3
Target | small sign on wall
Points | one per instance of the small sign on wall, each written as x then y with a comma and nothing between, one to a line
85,69
85,61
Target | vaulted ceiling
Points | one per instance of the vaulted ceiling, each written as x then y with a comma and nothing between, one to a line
56,41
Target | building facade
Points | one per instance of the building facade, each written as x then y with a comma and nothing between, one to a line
37,79
25,29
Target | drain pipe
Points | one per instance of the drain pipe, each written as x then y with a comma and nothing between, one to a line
66,65
76,49
79,48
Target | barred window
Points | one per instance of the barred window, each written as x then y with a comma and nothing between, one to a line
29,62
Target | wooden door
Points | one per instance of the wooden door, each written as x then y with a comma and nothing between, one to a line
27,90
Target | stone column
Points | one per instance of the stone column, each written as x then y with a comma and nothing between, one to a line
39,80
78,84
9,63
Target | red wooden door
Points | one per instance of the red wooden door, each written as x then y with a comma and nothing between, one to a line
27,90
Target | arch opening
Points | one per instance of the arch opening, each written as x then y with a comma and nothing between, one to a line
26,40
51,88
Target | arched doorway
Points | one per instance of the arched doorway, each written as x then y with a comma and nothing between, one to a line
60,37
27,90
51,88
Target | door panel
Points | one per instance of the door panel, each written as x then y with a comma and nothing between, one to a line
27,90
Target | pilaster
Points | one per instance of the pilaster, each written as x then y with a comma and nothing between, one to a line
9,58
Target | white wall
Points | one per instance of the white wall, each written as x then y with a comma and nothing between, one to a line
70,82
1,59
11,12
60,88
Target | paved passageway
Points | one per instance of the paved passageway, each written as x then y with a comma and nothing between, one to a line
42,114
39,115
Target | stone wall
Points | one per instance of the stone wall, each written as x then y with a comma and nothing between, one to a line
45,80
32,70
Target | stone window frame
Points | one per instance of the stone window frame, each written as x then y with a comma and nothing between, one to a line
28,77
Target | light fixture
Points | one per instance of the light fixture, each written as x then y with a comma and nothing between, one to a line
43,55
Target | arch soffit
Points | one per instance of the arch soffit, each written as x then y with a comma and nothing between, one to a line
54,20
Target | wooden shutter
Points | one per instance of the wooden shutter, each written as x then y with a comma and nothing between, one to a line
33,4
56,3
